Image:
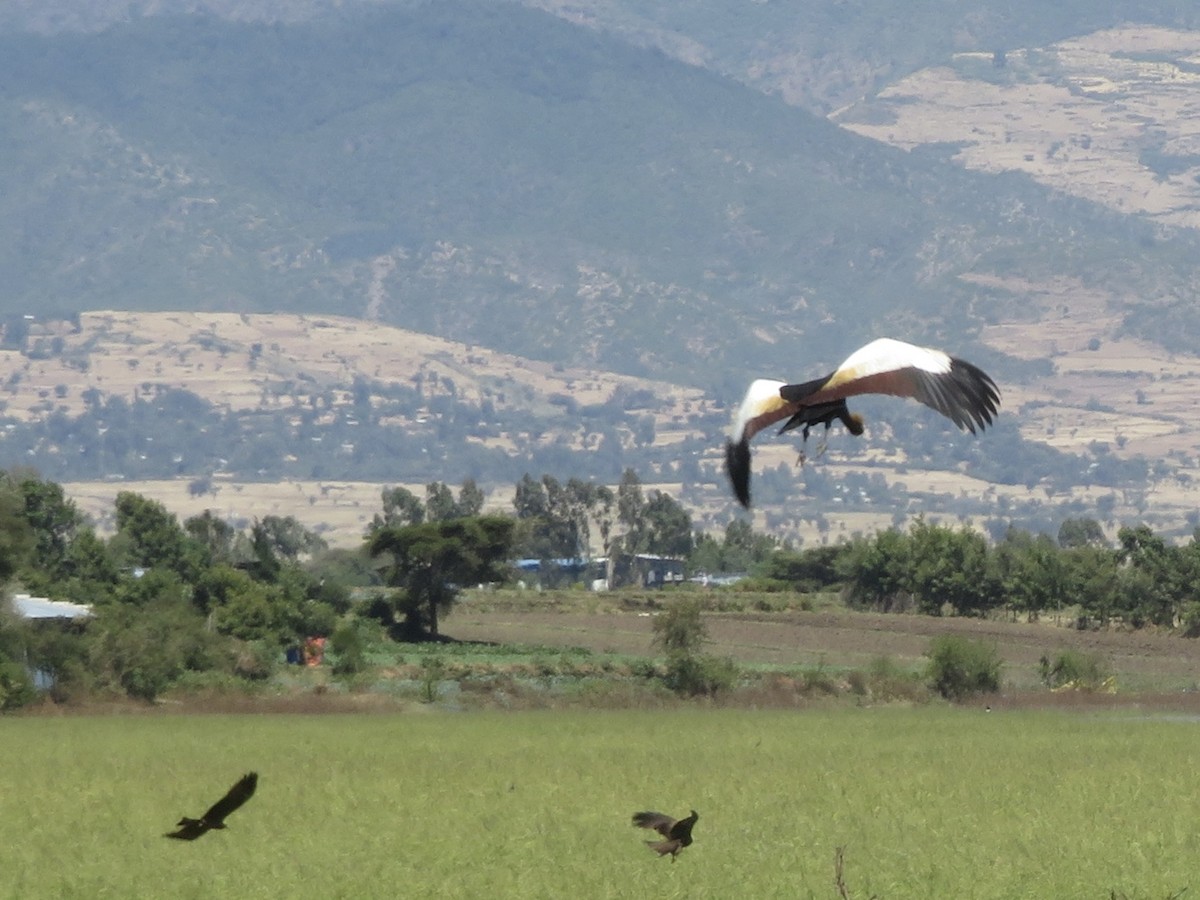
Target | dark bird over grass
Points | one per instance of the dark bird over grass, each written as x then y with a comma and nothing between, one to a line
677,833
190,829
961,392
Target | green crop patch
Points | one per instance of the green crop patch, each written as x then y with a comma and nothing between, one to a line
924,803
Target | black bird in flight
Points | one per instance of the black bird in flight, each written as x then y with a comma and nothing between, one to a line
677,833
190,829
961,392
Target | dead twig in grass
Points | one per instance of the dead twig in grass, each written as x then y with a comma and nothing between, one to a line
839,874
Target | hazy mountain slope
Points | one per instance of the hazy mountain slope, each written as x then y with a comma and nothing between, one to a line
821,54
1110,116
826,54
498,176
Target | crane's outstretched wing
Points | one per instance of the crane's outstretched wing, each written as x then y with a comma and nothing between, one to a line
960,391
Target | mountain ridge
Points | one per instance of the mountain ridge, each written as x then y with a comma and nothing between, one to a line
448,167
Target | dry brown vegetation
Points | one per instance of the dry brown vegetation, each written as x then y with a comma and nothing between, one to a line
268,361
1073,115
1145,660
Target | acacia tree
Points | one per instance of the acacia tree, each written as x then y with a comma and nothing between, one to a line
432,561
400,507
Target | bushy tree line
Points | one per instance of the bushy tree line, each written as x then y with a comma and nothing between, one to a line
171,598
167,597
934,569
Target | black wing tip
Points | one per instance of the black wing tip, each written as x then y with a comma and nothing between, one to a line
978,394
737,465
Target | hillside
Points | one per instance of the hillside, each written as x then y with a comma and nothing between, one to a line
827,54
401,243
1108,116
498,176
251,415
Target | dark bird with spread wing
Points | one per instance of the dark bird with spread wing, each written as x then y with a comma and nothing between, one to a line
190,829
961,392
677,833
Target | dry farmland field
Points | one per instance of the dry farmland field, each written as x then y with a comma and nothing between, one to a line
929,802
1145,662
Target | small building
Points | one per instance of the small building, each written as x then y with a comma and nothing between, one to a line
42,608
48,613
555,572
648,570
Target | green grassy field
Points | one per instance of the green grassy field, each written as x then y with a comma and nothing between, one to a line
927,802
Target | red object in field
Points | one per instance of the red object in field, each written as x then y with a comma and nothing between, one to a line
314,651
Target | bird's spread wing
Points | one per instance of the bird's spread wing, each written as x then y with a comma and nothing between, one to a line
762,406
187,830
960,391
654,820
236,796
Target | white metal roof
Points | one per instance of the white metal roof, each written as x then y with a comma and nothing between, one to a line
42,608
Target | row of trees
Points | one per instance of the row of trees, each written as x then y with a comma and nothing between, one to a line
934,570
171,597
432,548
168,597
174,597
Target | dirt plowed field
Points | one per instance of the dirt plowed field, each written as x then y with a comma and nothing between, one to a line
1143,661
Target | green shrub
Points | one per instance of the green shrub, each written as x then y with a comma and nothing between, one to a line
16,688
1084,671
818,680
696,676
433,670
960,667
643,668
680,630
1191,619
256,660
142,651
348,649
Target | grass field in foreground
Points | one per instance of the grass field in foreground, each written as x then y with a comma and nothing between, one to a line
929,802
